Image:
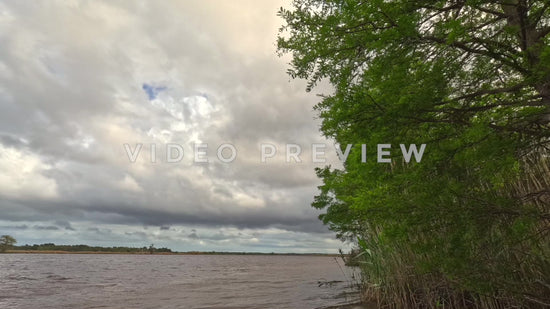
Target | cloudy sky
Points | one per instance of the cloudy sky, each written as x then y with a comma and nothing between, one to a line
79,79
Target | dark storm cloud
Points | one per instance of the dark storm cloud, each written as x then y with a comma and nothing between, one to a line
124,213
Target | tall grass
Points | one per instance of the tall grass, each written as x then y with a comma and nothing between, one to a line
506,264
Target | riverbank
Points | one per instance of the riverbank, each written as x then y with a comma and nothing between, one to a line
164,253
355,306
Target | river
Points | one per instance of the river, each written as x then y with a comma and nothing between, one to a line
29,281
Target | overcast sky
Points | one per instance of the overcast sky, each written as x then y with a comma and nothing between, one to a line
79,79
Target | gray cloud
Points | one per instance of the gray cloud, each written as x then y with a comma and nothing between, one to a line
70,97
64,224
49,227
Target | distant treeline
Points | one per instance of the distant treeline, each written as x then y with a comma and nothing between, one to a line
51,247
86,248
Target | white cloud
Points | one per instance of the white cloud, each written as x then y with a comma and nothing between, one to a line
129,184
22,175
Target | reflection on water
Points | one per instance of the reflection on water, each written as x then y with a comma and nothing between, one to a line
173,281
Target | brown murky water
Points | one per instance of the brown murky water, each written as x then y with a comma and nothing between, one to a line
173,281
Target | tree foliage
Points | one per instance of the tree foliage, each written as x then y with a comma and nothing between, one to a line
6,242
86,248
471,79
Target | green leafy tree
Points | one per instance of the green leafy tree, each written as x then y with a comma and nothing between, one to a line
469,225
6,242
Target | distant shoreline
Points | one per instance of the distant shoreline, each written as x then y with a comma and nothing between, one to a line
165,253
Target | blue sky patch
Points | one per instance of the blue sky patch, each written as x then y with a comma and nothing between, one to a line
152,91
